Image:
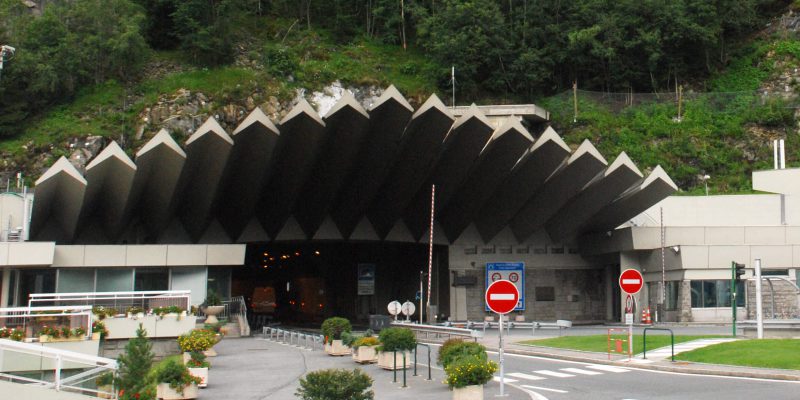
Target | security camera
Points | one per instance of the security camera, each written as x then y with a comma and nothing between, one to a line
676,249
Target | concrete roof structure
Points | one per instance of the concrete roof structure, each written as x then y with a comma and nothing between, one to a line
353,175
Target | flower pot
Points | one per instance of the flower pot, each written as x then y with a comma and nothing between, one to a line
201,373
186,357
337,348
386,360
212,312
365,354
471,392
44,338
95,335
163,391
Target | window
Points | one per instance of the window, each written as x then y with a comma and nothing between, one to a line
545,293
775,272
114,280
36,281
151,279
671,295
72,280
219,280
717,293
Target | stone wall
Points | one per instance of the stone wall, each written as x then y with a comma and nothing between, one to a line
162,347
785,300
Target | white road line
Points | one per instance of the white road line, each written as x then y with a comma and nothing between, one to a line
544,388
607,368
581,371
553,373
525,376
505,380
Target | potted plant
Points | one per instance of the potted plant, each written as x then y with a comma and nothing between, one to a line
175,382
45,334
135,312
198,366
105,386
12,333
198,340
66,333
79,333
213,307
467,375
454,349
335,384
364,349
99,330
332,329
395,343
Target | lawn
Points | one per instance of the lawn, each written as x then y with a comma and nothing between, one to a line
599,343
765,353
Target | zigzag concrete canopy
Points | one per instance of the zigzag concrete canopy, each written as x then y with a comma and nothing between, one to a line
354,174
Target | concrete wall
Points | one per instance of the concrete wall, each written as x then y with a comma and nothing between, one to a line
20,391
148,255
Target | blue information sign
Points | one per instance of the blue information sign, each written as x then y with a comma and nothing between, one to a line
510,271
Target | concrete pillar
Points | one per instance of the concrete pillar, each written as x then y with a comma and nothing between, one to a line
685,301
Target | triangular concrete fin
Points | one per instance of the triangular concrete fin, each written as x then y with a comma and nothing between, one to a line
210,126
347,100
61,165
302,107
391,93
256,116
112,150
162,137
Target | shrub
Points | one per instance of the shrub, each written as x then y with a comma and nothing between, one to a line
279,60
12,333
446,348
397,339
348,339
99,326
365,341
197,360
329,384
460,349
212,299
333,328
135,364
470,370
197,340
176,375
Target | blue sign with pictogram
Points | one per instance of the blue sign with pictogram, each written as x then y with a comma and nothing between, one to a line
510,271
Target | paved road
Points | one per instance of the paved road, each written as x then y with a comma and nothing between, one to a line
557,379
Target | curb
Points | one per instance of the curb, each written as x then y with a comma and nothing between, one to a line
692,369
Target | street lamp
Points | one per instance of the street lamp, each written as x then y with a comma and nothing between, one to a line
5,51
705,181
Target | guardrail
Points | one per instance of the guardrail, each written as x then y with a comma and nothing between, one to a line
561,324
234,308
92,367
293,338
644,340
118,300
439,331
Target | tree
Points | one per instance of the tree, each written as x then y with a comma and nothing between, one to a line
207,29
135,364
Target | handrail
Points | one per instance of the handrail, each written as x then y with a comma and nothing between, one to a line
644,340
25,317
441,330
429,359
113,299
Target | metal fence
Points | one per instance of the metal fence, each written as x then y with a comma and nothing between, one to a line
31,320
120,301
296,338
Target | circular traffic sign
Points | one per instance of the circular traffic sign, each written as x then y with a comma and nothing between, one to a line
408,308
394,307
502,296
513,277
631,281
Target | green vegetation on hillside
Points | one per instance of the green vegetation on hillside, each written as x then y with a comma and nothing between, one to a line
764,353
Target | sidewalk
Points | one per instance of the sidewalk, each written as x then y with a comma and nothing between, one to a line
253,368
512,347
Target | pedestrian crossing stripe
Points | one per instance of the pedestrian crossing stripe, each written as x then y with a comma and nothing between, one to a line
608,368
505,380
581,371
525,376
553,373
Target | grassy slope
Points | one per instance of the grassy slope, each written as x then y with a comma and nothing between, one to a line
599,343
765,353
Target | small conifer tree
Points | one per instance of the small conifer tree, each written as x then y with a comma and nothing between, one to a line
135,364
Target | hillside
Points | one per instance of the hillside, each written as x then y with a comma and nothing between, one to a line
727,122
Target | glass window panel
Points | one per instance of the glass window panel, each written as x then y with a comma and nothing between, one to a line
740,295
697,294
672,295
36,281
114,280
723,293
190,278
71,280
219,280
709,294
147,279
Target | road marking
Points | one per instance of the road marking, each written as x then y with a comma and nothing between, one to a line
607,368
525,376
581,371
501,296
505,380
544,388
553,373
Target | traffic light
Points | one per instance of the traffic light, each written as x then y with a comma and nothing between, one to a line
738,271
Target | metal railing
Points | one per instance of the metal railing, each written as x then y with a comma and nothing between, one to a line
82,368
429,359
120,301
234,309
439,331
32,319
293,338
644,341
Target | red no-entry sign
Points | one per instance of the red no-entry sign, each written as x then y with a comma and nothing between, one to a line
631,281
502,296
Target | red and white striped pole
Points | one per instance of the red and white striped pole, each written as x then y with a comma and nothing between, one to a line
430,245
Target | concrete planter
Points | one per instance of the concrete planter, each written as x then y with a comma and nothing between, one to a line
163,391
337,348
212,312
109,391
387,361
125,328
472,392
201,373
365,354
95,335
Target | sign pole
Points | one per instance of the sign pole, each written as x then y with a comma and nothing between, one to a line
502,369
630,332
